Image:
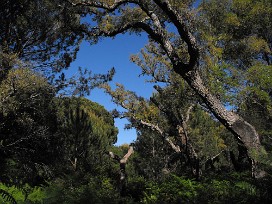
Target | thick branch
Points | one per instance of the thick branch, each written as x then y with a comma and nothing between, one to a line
122,169
176,148
103,5
120,29
128,154
184,33
152,127
188,114
244,132
160,35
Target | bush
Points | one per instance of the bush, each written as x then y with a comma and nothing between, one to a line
233,189
135,188
22,194
173,189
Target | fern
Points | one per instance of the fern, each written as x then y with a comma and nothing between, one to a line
7,196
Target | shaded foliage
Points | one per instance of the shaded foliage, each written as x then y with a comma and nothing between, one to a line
43,33
27,126
56,149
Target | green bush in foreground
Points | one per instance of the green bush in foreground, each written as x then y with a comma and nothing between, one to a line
173,189
22,194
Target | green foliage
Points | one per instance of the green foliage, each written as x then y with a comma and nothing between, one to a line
24,194
259,80
256,101
231,190
172,190
27,126
43,33
42,137
26,88
7,197
101,119
135,187
237,49
96,190
151,155
86,132
206,134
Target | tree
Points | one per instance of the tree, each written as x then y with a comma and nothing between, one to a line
122,171
152,155
178,123
242,50
78,136
45,36
84,171
86,131
27,126
156,18
42,33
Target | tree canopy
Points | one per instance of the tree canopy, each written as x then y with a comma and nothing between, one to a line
41,33
173,26
204,136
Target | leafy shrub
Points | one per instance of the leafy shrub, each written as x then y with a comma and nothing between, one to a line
135,188
23,194
97,190
228,191
173,189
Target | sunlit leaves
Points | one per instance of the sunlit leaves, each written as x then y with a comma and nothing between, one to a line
246,25
101,121
154,63
259,85
237,40
206,134
23,87
27,126
257,45
136,108
232,19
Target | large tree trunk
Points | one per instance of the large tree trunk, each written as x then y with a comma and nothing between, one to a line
244,132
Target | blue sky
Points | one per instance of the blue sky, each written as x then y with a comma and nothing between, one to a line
115,53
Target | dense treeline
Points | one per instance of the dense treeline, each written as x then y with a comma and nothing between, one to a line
204,136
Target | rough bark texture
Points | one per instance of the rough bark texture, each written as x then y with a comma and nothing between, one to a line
244,132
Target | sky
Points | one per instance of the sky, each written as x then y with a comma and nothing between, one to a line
109,53
115,52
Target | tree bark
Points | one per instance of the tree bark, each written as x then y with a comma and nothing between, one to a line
122,170
245,133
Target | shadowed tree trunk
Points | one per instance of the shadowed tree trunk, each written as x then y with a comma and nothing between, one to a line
185,148
190,151
122,171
